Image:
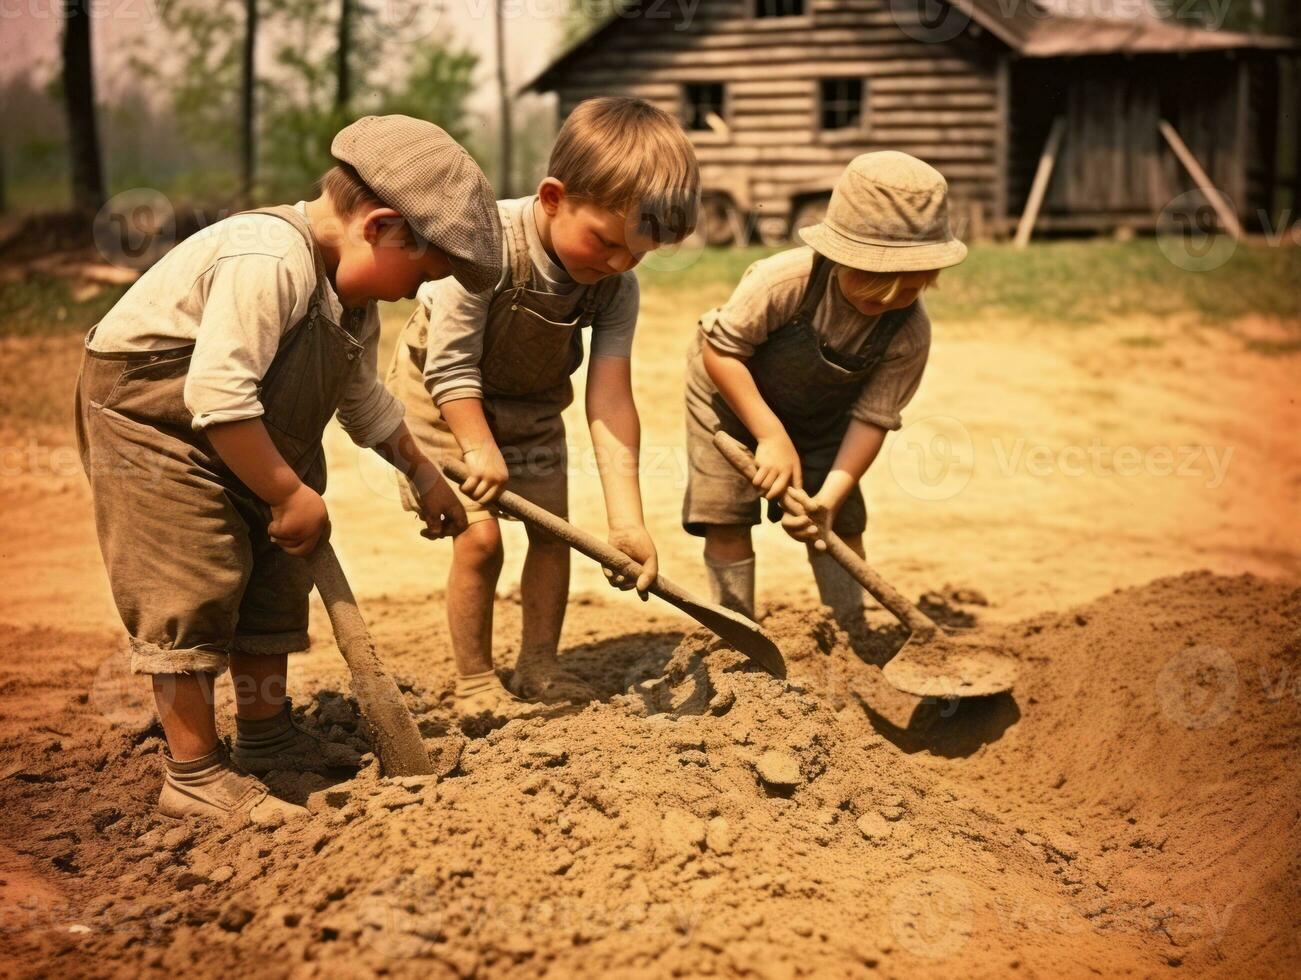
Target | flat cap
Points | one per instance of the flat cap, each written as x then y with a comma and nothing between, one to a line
421,172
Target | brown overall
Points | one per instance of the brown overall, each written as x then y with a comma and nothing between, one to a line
190,565
532,344
811,391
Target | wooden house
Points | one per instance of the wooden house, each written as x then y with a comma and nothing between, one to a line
779,94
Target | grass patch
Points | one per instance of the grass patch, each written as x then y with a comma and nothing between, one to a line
41,305
1070,282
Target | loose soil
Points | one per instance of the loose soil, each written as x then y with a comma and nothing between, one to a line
1132,809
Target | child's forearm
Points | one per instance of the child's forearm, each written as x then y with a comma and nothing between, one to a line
616,439
736,384
468,423
399,449
246,447
858,449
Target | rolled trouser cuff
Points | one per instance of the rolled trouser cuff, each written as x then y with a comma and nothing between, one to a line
270,644
150,658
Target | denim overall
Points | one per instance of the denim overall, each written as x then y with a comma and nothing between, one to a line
192,570
810,388
532,344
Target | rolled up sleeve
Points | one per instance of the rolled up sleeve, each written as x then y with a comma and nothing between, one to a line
757,307
250,300
893,384
367,411
457,320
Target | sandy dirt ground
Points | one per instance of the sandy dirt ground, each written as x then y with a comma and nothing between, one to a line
1122,496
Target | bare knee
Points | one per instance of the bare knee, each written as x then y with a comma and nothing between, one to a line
547,545
728,542
478,548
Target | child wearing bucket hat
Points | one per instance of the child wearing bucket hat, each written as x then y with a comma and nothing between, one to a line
810,363
201,403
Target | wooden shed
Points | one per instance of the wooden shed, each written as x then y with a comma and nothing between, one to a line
779,94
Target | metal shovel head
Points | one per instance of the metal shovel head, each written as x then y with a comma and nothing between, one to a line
939,666
740,633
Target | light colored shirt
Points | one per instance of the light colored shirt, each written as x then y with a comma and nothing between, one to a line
234,290
458,318
768,296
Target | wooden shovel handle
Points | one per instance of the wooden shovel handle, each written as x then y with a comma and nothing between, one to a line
797,500
587,544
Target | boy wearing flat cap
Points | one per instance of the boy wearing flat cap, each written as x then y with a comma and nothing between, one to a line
201,403
810,363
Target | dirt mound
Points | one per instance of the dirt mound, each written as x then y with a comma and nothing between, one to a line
1132,808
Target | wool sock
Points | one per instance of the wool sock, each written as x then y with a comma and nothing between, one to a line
731,583
838,590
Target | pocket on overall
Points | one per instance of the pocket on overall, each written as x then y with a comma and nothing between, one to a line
150,388
530,353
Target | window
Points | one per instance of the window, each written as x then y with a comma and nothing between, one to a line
840,103
703,100
779,8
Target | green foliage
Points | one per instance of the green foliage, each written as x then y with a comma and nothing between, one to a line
1069,283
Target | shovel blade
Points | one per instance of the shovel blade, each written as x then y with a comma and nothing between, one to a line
742,634
946,667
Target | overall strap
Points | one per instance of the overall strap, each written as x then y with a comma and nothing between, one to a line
291,215
512,226
816,287
887,328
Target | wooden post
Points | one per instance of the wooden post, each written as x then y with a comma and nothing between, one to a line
1042,176
1003,126
1203,182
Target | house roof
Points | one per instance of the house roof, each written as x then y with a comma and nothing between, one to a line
1032,29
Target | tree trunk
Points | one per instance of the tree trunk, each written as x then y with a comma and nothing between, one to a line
503,93
343,73
248,108
79,105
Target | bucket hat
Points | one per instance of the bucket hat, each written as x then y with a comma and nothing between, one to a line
889,212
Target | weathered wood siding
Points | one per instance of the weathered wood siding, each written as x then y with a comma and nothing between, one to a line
937,101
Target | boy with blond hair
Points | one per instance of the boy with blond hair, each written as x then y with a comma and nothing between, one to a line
811,362
485,377
201,403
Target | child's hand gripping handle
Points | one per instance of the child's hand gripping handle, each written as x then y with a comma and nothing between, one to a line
797,500
587,544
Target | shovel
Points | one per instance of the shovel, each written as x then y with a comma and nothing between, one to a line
393,732
930,663
739,632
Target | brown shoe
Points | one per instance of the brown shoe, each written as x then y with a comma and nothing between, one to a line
211,787
277,743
